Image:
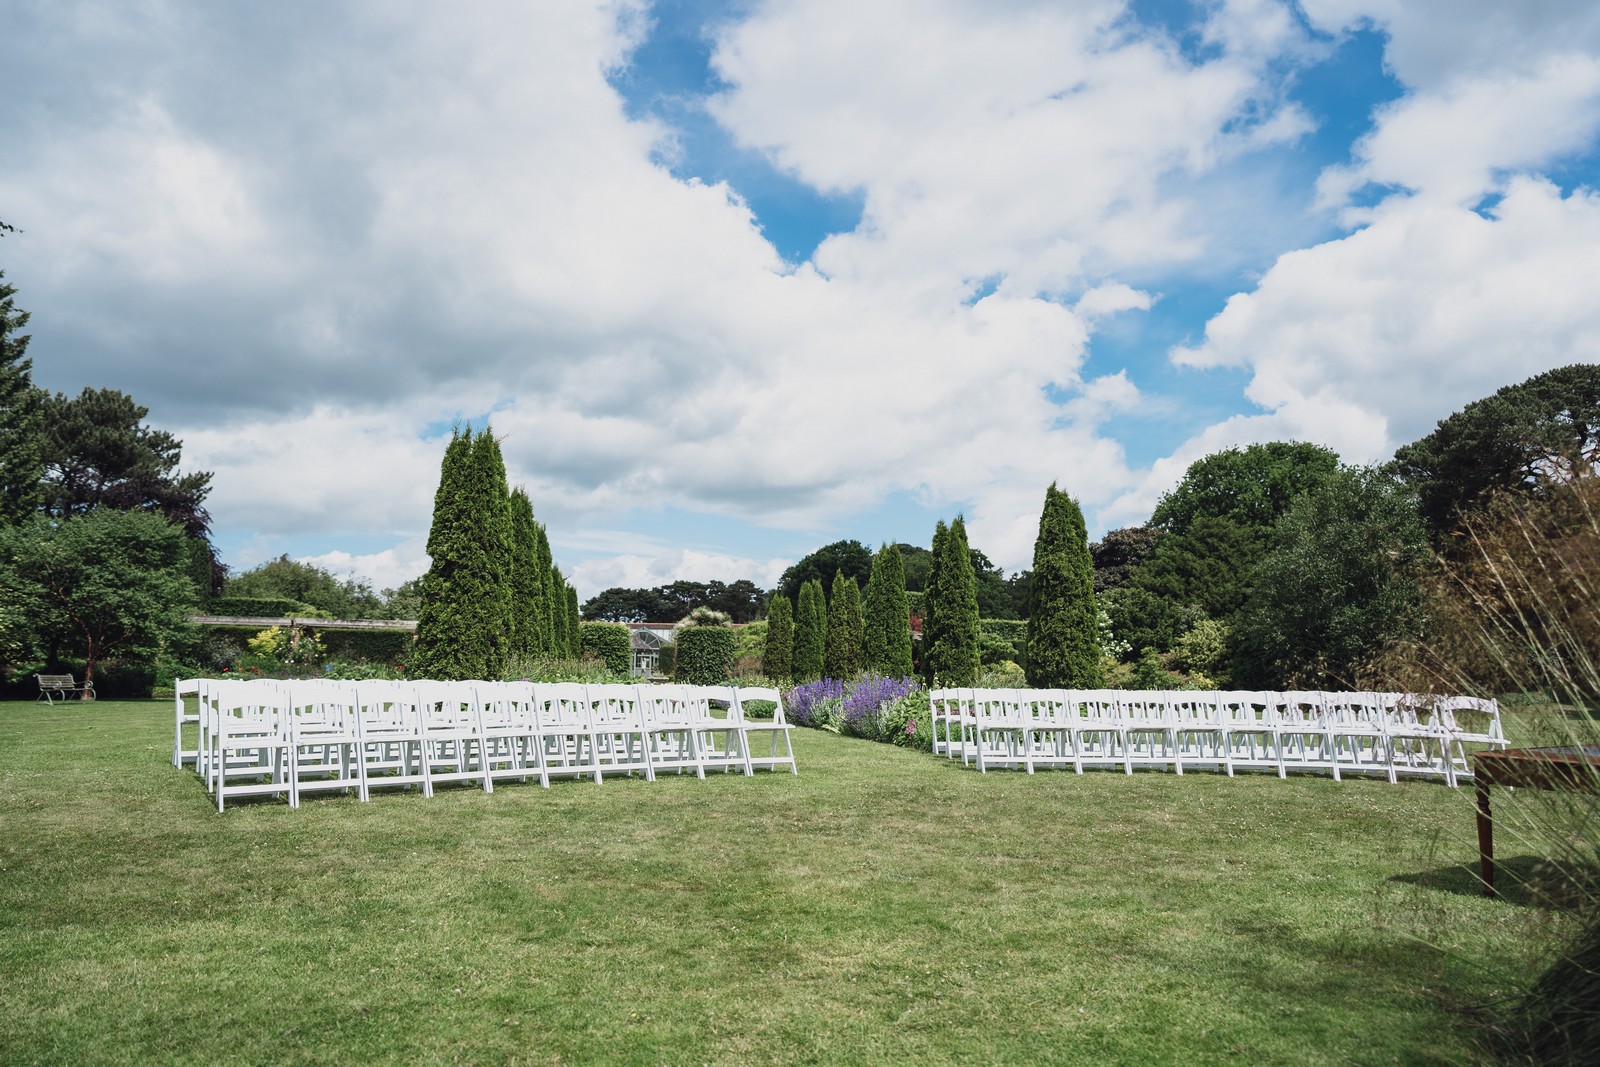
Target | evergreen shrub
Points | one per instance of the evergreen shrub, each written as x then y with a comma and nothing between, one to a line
610,642
705,655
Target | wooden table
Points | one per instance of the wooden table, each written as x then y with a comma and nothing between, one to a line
1575,768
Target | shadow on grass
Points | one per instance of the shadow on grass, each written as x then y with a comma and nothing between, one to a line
1514,878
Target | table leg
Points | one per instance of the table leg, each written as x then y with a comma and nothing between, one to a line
1485,839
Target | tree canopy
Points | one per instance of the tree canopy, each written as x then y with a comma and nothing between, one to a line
951,629
851,557
741,601
1252,486
346,598
1544,428
106,582
98,452
1341,577
1118,554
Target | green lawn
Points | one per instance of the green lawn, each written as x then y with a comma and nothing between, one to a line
885,906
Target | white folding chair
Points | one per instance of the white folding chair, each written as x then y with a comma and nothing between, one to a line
507,725
1249,737
622,743
251,750
777,729
997,728
389,719
566,730
1150,730
452,746
1198,730
1359,729
325,738
719,738
188,687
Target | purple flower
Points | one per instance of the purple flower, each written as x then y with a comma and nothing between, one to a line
803,701
872,693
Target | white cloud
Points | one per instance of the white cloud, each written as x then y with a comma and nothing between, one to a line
1363,343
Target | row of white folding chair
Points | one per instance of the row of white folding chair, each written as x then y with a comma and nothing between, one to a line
1336,732
283,738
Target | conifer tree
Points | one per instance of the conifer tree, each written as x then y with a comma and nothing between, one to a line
953,597
493,529
886,616
528,575
930,602
842,654
547,620
21,418
444,623
560,640
574,625
1063,625
810,632
777,662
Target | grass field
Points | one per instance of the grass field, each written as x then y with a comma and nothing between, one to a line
885,906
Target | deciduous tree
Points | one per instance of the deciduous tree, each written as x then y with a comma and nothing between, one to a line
110,582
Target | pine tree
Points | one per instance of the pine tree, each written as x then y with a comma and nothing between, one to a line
778,660
953,597
810,632
21,418
1063,625
528,576
842,655
886,617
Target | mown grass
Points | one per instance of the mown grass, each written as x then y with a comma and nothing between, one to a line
885,906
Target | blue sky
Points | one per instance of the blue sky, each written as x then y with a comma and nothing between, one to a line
736,279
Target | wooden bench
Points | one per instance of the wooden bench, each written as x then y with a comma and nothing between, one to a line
60,685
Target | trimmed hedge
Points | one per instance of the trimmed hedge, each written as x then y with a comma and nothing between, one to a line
611,641
367,646
705,655
263,607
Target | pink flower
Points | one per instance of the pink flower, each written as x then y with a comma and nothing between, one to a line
911,726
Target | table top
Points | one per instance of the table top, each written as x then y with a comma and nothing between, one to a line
1574,767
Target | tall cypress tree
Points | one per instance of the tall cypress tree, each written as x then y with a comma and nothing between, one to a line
810,632
21,418
886,616
560,640
444,623
528,575
953,646
547,620
493,529
574,625
1063,626
777,662
930,599
842,654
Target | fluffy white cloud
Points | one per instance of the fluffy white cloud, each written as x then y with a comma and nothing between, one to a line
1363,343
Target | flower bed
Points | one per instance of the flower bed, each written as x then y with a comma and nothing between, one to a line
873,706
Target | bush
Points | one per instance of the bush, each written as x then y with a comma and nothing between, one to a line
816,704
610,642
864,710
705,655
590,670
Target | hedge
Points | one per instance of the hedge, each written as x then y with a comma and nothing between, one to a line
611,641
705,655
262,607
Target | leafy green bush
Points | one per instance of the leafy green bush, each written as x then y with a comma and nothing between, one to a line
610,642
705,655
541,668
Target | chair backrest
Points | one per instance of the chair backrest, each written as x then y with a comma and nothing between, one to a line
744,694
